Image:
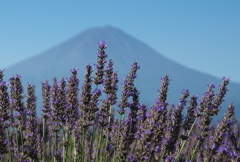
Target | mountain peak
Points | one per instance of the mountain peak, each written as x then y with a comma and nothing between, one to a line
106,33
103,29
123,49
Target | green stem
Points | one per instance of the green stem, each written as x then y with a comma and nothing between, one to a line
5,157
64,147
21,134
149,158
111,111
198,144
99,144
43,158
9,150
195,151
17,140
91,143
48,152
55,146
83,145
183,142
123,117
74,148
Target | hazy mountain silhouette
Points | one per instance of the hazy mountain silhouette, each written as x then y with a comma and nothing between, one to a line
124,50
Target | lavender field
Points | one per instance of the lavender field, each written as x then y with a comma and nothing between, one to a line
79,124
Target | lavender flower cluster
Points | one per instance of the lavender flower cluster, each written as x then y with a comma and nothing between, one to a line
78,124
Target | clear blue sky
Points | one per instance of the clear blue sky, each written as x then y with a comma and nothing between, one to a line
203,35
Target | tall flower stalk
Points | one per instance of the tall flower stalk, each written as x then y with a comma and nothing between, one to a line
57,117
189,123
5,119
173,131
209,106
16,94
46,103
129,127
127,91
155,119
71,112
101,60
217,140
33,144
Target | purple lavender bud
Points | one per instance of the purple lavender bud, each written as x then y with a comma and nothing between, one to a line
88,102
16,103
57,112
126,137
221,129
217,101
46,96
206,101
5,110
149,132
94,101
86,89
74,71
3,144
182,100
191,113
100,63
128,88
32,143
141,114
173,131
108,78
110,83
102,45
131,158
164,89
1,75
72,101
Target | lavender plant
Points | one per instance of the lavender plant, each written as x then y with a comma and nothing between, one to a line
4,119
83,128
33,144
17,106
101,60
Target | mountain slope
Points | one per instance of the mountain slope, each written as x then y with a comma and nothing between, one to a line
124,50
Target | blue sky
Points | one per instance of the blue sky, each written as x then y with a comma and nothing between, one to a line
203,35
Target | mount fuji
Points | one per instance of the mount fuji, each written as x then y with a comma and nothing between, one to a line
123,49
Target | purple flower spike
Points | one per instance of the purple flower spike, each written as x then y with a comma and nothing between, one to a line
4,105
217,140
74,71
191,113
1,75
86,114
46,96
102,45
128,87
72,101
217,101
16,103
101,60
